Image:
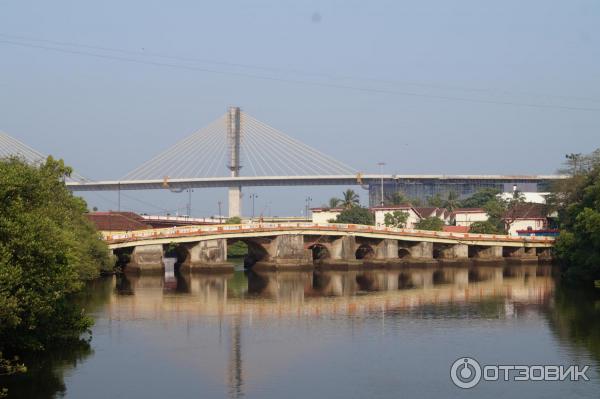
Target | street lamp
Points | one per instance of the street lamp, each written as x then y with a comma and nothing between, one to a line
253,197
381,165
307,201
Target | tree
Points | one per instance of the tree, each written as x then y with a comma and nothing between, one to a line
430,223
435,200
480,198
350,199
334,202
47,246
485,227
234,220
451,202
398,198
395,219
356,215
577,199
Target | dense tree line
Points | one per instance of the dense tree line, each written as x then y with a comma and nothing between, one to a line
47,249
577,201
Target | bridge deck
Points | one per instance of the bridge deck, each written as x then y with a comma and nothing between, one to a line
202,233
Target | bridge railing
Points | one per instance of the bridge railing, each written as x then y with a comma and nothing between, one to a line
249,227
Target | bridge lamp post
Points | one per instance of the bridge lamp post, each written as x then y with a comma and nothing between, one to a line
253,196
381,165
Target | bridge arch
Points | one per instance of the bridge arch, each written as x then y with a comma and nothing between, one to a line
365,251
319,252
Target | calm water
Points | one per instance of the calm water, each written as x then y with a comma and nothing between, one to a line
372,334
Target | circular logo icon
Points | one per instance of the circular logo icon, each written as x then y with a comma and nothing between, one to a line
465,372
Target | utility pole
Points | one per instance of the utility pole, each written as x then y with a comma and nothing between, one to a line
220,218
119,196
307,200
253,196
381,165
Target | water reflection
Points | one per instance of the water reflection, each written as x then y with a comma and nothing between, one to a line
242,327
321,292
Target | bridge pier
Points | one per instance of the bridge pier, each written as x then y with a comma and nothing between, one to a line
234,201
209,255
413,251
146,259
544,254
451,252
485,253
386,250
520,254
285,252
342,253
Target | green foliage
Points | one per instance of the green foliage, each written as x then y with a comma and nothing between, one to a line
237,249
577,200
397,198
47,246
333,202
451,202
356,215
234,220
485,227
395,219
480,198
430,223
435,200
350,199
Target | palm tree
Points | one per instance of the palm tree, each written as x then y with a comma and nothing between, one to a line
451,202
334,202
350,199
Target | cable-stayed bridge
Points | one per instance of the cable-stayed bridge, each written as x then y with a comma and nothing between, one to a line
237,150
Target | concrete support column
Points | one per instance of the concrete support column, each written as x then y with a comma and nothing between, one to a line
419,250
209,255
488,253
146,259
544,254
386,250
513,252
453,251
235,201
343,249
286,251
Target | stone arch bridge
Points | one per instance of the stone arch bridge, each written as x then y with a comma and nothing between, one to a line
298,245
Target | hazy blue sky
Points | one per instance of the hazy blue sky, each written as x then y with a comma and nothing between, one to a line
426,86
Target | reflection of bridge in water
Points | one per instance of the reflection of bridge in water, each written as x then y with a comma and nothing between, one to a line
306,294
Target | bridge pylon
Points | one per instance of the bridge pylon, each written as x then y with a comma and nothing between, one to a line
233,139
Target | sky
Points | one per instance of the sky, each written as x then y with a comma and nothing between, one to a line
424,86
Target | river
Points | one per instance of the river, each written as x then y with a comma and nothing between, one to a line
323,334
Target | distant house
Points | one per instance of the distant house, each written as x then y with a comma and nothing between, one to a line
380,211
324,215
440,213
527,216
468,216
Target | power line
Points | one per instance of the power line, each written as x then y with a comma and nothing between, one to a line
304,82
296,71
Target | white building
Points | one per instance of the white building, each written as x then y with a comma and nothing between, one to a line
527,216
531,197
468,216
325,215
381,211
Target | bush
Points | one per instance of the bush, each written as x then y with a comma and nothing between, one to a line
356,215
485,227
430,223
